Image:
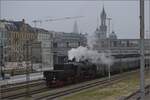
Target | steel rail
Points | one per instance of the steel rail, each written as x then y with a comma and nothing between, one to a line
81,86
101,83
8,89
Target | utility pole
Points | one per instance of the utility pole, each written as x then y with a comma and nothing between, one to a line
1,56
1,46
1,64
3,52
142,63
27,44
0,9
1,61
27,68
109,19
149,22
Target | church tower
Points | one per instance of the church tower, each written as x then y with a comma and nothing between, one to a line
75,28
101,32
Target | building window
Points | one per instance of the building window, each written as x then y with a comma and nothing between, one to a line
79,44
55,45
103,44
67,43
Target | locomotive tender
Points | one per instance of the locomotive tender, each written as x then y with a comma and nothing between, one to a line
74,72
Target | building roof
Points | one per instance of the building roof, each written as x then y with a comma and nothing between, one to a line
16,26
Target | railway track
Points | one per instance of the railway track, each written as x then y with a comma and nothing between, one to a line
17,86
36,90
20,83
100,83
19,95
19,90
79,88
136,95
76,89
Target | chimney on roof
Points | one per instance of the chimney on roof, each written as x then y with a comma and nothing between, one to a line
23,20
23,26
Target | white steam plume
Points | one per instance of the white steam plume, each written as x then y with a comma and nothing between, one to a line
87,53
91,41
83,53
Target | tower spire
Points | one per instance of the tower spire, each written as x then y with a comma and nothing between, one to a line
103,17
97,21
75,27
103,3
101,32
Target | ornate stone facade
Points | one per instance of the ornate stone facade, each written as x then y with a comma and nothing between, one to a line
115,45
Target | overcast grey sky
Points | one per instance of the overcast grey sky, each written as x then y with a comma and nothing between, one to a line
125,14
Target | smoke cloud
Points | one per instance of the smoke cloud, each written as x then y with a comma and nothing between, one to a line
83,53
91,41
88,53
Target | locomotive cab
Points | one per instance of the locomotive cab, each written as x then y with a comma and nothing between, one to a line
52,77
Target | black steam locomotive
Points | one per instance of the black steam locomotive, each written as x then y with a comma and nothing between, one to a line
73,72
68,73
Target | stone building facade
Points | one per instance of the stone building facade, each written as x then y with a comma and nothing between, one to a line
21,43
19,34
39,45
45,37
